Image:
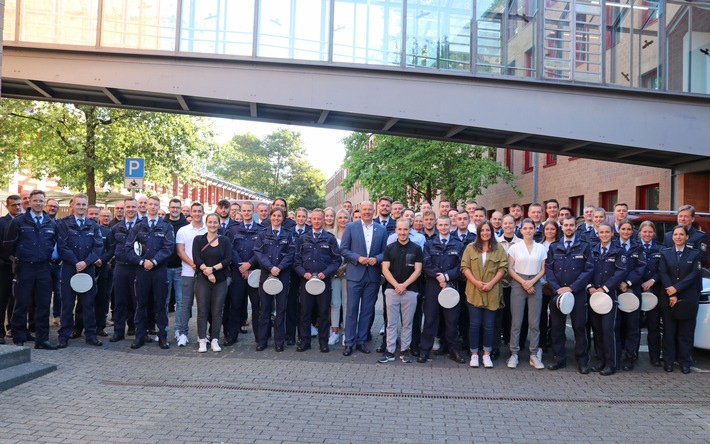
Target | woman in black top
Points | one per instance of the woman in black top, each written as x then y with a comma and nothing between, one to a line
212,255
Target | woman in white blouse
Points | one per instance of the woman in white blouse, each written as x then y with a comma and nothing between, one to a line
526,265
340,294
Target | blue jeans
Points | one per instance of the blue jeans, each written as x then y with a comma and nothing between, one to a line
174,282
478,317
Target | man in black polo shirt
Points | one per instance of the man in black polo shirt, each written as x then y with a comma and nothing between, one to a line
401,266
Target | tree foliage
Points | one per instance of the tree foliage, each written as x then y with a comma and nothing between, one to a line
421,169
85,146
275,165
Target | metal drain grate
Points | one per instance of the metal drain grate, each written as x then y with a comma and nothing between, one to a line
408,395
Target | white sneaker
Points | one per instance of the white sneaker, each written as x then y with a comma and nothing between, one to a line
215,345
539,354
333,338
182,341
314,332
536,362
156,339
382,331
487,363
203,345
436,345
513,361
474,361
177,335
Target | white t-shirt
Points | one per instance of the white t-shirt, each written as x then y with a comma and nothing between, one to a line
528,263
186,235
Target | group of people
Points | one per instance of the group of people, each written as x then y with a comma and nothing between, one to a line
456,283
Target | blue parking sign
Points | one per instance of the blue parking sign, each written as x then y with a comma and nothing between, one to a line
135,168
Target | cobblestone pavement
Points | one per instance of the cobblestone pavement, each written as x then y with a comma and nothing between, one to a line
114,394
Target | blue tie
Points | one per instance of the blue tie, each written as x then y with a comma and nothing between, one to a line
39,221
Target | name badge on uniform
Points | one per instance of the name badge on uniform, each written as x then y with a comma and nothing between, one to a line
613,259
159,234
579,256
283,242
453,252
49,230
325,246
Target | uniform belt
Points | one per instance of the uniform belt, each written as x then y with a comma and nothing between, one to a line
33,262
56,261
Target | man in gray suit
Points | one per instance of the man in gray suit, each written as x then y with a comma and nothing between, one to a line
363,245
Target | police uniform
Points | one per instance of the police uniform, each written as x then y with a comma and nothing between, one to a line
293,308
630,323
697,240
104,278
390,224
610,269
6,277
31,243
652,258
78,240
243,239
569,267
464,320
442,258
159,241
315,253
683,273
591,236
124,275
273,250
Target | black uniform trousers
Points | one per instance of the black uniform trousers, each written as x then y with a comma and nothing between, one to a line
124,293
266,304
678,336
606,334
6,277
151,287
239,293
431,311
103,295
31,281
69,298
629,333
307,301
578,317
293,310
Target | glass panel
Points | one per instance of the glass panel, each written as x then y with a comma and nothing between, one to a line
696,48
587,42
439,34
217,26
678,25
647,46
522,35
489,36
140,24
8,30
293,29
557,53
68,22
368,31
618,42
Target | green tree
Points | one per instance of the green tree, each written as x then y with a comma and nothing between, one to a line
275,165
85,146
397,166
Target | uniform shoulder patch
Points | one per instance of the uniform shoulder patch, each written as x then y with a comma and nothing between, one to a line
704,247
623,259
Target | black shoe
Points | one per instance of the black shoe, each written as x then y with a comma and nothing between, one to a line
46,345
95,342
63,343
75,334
324,349
414,351
495,353
303,347
656,362
599,366
685,368
101,332
583,369
362,348
347,350
229,342
668,368
382,348
279,348
369,337
20,344
116,338
131,332
628,364
607,371
138,343
556,366
423,359
260,347
163,343
243,330
152,331
147,339
457,357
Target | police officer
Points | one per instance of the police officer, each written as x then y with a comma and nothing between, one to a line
652,282
630,323
317,255
274,249
79,245
104,269
568,268
13,204
696,238
442,261
30,239
124,273
158,241
243,236
609,272
292,304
